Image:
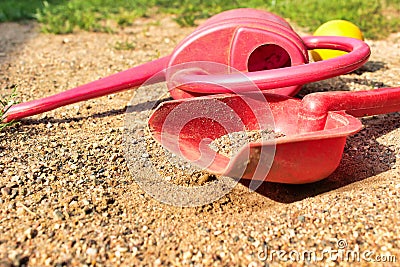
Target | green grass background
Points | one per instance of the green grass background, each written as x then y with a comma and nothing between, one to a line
376,18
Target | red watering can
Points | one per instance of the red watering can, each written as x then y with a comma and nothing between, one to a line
255,42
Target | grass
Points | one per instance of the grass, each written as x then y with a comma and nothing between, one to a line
5,103
376,18
368,15
17,10
125,45
90,15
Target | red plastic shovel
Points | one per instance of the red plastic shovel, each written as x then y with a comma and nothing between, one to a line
315,131
255,42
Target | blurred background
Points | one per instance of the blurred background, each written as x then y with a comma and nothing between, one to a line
376,18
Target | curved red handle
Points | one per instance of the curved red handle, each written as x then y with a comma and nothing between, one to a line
315,107
358,55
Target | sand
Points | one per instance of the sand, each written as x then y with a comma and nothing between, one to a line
69,198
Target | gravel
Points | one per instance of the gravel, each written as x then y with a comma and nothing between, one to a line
68,197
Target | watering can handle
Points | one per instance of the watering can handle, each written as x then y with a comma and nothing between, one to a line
112,84
186,80
358,55
315,107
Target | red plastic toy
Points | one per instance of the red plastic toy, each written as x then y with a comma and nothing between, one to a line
315,131
256,42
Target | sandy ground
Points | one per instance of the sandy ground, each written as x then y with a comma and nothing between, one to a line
68,197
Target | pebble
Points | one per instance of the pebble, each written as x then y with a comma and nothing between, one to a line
31,233
6,191
21,211
15,179
113,157
117,254
122,249
91,252
301,218
218,232
58,215
187,255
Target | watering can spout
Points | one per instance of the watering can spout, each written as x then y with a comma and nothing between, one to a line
127,79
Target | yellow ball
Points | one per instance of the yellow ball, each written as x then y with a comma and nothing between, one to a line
335,28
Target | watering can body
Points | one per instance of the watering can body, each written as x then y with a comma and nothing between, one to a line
245,40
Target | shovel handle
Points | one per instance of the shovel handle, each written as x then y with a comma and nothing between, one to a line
130,78
315,106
